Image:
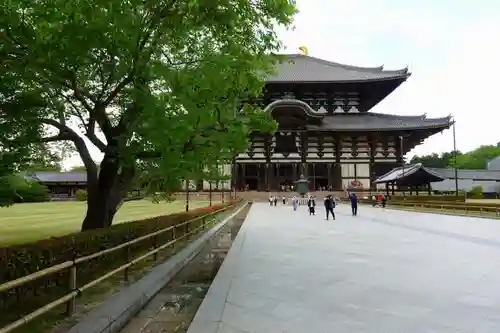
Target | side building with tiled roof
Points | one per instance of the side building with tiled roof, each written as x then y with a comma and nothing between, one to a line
60,184
488,179
326,131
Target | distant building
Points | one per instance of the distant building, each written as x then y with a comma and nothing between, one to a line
488,179
60,184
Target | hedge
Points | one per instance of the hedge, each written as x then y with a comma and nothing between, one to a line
458,205
427,198
20,260
451,206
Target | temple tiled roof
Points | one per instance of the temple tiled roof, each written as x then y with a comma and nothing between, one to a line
301,68
414,173
469,174
494,164
378,121
59,177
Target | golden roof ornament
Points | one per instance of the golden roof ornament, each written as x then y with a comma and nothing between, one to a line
304,51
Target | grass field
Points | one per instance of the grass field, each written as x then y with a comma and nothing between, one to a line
483,201
24,223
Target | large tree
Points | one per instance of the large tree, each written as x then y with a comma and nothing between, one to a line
162,80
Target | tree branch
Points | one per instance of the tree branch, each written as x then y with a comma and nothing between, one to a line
55,138
70,135
90,134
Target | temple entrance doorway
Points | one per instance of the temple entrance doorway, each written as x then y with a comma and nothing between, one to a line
318,176
252,184
321,184
284,175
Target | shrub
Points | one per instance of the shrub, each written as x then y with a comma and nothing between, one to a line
20,260
476,192
81,195
27,191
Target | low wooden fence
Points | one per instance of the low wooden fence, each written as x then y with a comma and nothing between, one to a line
453,207
191,227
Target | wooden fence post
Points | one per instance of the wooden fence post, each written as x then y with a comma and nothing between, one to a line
155,246
174,237
71,305
127,258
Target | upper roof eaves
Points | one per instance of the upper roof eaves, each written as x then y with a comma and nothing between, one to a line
59,177
301,68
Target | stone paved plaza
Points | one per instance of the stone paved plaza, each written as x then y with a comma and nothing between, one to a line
383,271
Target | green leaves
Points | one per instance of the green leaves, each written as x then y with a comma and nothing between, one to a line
477,158
164,79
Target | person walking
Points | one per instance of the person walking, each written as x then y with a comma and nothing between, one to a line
311,203
354,203
271,199
284,200
384,201
275,201
294,203
329,205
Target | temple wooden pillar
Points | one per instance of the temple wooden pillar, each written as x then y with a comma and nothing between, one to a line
313,167
373,151
270,176
266,177
267,165
337,170
258,176
304,166
329,174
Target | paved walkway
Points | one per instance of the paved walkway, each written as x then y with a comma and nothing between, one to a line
383,271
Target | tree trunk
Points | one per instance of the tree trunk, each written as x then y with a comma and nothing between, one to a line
105,196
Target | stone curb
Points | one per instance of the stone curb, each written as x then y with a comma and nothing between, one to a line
210,312
119,309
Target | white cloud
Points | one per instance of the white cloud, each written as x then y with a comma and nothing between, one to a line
452,52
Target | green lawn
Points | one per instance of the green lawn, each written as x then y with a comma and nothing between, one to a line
483,201
24,223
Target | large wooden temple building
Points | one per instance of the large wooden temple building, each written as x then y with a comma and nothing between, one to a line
326,131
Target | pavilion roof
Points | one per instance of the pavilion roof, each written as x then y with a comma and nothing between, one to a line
413,174
302,68
363,121
59,177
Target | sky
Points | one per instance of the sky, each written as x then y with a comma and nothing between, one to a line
452,49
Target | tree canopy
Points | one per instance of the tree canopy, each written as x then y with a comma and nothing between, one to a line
166,83
435,160
474,159
477,158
